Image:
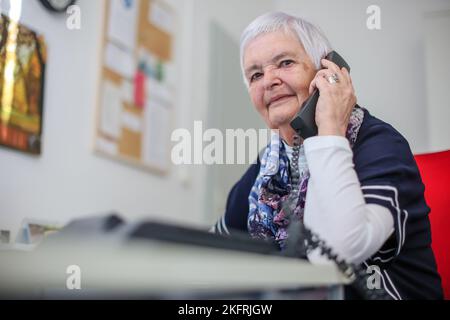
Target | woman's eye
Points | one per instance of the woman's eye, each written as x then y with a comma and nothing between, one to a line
255,76
286,63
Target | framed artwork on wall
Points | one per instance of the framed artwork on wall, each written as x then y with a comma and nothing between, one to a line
22,69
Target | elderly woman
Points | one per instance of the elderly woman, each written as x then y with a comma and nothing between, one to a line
359,189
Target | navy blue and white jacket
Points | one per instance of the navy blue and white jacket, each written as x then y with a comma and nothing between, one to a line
389,177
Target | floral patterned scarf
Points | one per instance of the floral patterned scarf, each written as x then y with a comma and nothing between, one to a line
266,218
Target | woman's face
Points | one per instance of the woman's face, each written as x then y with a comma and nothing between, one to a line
279,72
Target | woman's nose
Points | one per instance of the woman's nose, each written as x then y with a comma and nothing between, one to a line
271,78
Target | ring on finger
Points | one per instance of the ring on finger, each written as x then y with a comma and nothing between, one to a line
333,78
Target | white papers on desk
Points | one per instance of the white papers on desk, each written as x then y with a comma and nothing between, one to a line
122,22
111,109
33,231
120,61
156,137
161,17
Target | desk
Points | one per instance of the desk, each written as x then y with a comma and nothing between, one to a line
153,269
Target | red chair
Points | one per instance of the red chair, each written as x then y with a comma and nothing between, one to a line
435,172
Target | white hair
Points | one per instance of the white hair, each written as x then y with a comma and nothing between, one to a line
310,36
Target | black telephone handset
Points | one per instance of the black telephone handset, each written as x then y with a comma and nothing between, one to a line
304,122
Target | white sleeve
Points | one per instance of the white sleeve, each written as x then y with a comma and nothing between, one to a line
335,208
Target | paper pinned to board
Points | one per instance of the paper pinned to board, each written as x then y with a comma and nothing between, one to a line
171,74
106,146
156,139
161,17
123,23
127,91
159,91
139,89
120,61
111,109
131,121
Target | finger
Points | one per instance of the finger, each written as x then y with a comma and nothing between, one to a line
338,71
312,85
323,74
346,75
326,74
322,84
331,66
348,78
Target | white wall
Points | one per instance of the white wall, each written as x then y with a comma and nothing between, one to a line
388,66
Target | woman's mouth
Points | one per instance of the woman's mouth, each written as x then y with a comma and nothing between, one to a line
279,100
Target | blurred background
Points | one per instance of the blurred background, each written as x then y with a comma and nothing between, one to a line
400,72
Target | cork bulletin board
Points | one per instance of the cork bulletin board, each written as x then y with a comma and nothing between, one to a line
135,94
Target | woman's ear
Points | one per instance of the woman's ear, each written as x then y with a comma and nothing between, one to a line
312,86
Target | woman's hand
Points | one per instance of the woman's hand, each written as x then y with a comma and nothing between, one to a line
336,100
